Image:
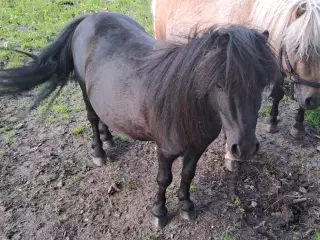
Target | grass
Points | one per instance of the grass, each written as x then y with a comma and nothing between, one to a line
4,154
121,138
227,234
149,236
173,190
4,129
58,111
227,237
313,118
31,24
318,235
43,22
265,111
155,236
238,203
45,19
77,177
9,137
131,184
81,129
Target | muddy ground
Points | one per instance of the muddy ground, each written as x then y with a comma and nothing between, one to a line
49,189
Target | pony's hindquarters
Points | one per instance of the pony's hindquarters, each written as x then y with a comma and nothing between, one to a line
52,66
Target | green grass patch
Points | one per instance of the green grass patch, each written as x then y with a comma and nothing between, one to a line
140,10
81,129
227,234
31,24
155,236
313,118
58,111
4,129
77,177
51,120
318,235
131,184
265,111
171,191
121,138
4,154
193,188
227,237
238,203
9,137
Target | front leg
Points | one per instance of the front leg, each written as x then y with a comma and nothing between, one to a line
297,131
276,95
164,179
190,161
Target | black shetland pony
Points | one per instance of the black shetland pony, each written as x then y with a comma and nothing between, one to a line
178,96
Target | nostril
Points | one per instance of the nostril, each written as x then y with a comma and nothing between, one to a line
235,150
309,102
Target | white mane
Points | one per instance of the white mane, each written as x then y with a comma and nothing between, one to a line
153,10
302,37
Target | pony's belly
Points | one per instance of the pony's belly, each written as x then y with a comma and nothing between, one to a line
119,109
126,127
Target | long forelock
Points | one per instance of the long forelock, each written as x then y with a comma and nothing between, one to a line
180,76
301,38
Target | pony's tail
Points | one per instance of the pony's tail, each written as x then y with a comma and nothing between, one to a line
52,67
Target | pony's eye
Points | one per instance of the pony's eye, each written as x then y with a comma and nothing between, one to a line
219,86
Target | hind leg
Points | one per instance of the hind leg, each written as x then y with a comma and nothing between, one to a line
97,145
106,135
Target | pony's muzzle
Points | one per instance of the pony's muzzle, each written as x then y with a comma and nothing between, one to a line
308,98
311,102
241,151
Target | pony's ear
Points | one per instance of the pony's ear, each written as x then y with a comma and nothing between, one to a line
298,12
266,33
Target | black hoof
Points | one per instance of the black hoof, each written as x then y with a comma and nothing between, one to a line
188,215
272,128
159,222
297,134
99,161
187,210
111,143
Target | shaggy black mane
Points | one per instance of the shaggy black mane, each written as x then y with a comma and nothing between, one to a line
180,76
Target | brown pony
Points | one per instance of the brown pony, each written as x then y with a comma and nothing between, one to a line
294,27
